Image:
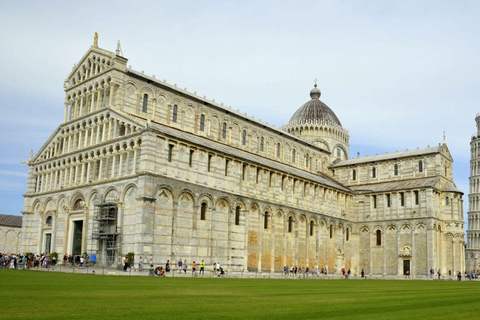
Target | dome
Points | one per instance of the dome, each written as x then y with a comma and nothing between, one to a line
315,110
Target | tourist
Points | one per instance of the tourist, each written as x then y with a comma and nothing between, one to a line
180,265
194,273
439,274
65,257
218,267
459,276
140,264
202,267
185,267
132,264
362,274
167,266
81,262
125,264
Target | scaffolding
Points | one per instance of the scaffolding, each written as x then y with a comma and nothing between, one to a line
105,231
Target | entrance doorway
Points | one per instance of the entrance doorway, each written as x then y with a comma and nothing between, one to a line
406,267
48,242
77,237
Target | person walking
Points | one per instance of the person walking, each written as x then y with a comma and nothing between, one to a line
362,274
167,266
185,266
180,265
140,264
194,269
439,274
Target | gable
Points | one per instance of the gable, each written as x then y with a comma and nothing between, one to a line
54,145
94,62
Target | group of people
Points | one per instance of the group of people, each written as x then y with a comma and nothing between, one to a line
16,261
183,267
71,261
295,272
129,263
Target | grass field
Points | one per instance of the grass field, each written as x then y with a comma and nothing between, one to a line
50,295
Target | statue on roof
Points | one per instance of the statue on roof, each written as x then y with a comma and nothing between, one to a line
95,40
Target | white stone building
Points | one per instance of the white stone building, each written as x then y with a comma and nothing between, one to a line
10,232
472,254
140,165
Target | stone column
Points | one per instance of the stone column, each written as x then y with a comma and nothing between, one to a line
110,97
120,165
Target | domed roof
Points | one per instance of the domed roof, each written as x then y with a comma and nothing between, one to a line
315,110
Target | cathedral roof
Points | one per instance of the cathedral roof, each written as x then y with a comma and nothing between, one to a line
315,110
247,156
389,156
434,182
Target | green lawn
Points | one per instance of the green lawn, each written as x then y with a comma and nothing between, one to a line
50,295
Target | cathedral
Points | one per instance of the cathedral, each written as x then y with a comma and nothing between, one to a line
140,165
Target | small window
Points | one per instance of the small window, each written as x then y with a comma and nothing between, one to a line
226,167
244,137
258,174
244,171
446,201
49,221
290,224
311,227
170,152
224,130
202,122
306,161
262,141
209,163
175,112
374,172
339,153
354,174
395,169
374,201
270,181
145,102
237,216
293,155
379,238
331,231
420,166
203,211
416,197
278,150
190,159
402,199
78,205
347,234
265,221
283,181
388,200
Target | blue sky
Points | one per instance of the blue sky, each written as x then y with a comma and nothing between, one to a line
397,74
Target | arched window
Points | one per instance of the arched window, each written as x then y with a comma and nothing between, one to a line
290,224
244,137
78,205
224,130
420,166
379,238
354,174
203,211
311,227
175,112
331,231
446,201
293,155
49,221
306,161
202,122
262,141
145,102
265,221
339,153
237,216
278,150
395,169
374,172
347,234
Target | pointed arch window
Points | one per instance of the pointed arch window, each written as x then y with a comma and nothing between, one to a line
244,137
145,103
278,150
265,221
262,142
420,166
202,122
203,211
290,224
331,231
347,235
312,225
224,130
293,155
49,221
174,113
237,216
374,172
395,169
354,174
